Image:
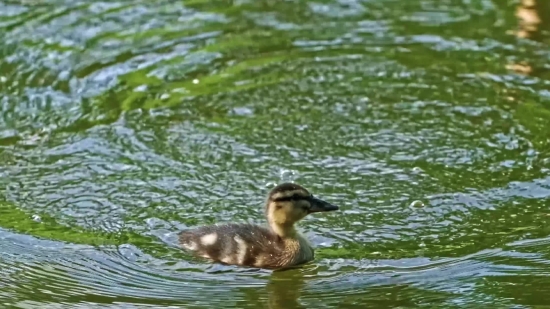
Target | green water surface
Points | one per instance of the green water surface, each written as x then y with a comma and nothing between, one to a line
426,121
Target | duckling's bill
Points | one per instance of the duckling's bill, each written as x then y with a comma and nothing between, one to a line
319,205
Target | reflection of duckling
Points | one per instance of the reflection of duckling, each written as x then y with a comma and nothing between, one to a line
251,245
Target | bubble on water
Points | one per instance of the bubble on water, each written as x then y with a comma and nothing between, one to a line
422,245
242,111
141,88
64,75
287,175
270,184
36,218
155,222
195,81
417,204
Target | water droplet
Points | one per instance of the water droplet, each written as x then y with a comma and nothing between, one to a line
287,175
195,81
36,218
417,204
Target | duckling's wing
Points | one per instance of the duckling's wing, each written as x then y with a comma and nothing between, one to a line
238,244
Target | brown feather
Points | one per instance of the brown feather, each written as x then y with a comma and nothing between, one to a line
264,248
250,245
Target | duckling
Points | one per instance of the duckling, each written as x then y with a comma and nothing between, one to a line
277,246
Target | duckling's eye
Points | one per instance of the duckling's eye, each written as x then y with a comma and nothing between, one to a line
278,206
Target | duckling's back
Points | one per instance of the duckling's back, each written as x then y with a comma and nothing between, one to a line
240,244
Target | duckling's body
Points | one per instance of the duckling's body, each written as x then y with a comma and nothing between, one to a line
278,246
247,245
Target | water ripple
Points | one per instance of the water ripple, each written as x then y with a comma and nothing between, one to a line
124,122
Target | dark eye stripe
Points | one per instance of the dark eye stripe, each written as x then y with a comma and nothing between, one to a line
294,197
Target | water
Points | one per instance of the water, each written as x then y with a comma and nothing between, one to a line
124,122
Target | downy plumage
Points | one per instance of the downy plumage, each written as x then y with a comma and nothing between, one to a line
277,246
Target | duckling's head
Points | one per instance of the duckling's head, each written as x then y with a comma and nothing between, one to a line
289,203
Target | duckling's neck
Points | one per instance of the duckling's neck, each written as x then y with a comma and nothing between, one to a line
284,231
297,248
